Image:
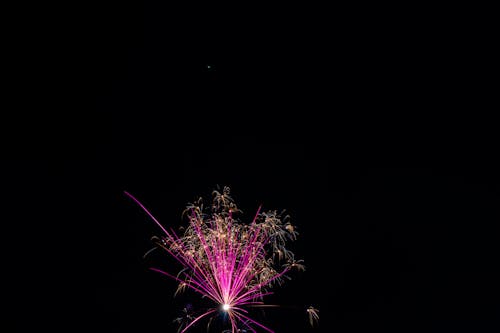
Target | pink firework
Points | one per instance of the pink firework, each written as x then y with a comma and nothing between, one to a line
232,263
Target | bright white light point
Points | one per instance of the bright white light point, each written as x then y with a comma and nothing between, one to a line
225,307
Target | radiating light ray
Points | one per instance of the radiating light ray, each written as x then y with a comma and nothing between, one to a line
229,262
198,318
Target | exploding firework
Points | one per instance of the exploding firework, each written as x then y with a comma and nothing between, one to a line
234,264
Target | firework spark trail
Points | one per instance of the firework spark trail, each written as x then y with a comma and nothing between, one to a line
225,260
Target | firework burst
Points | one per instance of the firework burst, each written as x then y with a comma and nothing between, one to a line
234,264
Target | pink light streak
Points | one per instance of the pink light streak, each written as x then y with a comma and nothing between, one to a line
224,260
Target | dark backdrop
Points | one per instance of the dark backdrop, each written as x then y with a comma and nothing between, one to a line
334,115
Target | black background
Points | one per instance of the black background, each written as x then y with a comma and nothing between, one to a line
365,123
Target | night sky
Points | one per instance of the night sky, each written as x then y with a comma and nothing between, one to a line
331,115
